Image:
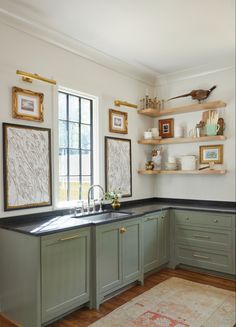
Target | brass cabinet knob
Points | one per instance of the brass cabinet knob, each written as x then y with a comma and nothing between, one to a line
216,221
187,218
123,230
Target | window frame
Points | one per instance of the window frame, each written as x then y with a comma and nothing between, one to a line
93,145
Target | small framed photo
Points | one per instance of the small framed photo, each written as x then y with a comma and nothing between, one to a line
118,121
166,127
27,104
211,153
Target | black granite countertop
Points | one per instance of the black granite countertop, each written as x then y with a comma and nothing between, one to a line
59,221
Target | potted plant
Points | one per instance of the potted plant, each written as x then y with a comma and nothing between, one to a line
114,197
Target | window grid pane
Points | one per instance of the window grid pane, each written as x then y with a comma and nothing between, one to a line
75,152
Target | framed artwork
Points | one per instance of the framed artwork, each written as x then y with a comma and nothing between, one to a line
211,153
26,166
118,173
118,121
166,127
27,104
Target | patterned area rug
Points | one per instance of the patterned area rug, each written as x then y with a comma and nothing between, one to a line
175,303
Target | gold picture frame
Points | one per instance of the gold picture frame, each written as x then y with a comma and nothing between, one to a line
118,121
27,105
211,153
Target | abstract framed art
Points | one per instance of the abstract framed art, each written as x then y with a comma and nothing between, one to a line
118,173
26,166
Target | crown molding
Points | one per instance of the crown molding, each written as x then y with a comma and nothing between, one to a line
194,72
136,72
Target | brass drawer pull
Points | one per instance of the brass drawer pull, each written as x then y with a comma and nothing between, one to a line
123,230
69,238
200,256
201,236
215,220
187,219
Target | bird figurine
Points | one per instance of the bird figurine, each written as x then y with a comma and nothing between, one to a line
197,94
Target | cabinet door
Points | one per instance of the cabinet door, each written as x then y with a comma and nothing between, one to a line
131,250
108,254
150,242
163,237
65,272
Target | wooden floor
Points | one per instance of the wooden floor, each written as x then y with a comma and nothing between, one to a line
84,317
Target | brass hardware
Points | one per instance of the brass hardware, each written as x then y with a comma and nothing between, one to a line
28,77
215,221
200,256
69,238
119,103
187,218
123,230
201,236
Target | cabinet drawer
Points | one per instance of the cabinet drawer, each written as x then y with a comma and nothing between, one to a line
155,215
203,218
219,239
209,259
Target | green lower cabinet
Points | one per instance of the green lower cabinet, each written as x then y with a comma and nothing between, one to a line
65,272
205,240
108,257
150,242
155,240
131,251
118,257
164,237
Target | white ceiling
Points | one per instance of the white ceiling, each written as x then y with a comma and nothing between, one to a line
159,36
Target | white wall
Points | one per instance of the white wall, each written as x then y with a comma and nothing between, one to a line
21,51
215,187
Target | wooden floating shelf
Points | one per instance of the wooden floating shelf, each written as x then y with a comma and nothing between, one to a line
178,140
183,109
182,172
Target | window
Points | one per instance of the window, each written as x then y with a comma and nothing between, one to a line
75,146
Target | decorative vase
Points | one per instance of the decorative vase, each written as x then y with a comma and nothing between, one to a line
115,204
157,161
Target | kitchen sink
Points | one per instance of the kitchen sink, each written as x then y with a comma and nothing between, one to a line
102,216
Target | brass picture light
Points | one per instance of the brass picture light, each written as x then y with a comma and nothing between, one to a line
119,103
28,77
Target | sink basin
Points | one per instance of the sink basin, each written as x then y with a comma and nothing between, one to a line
103,216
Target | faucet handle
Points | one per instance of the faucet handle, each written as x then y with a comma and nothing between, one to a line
100,205
94,205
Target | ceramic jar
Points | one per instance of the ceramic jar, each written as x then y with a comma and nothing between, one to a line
147,135
188,162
